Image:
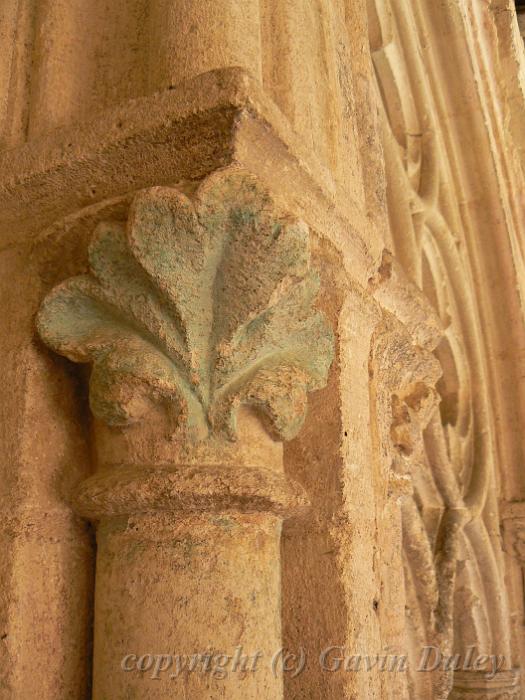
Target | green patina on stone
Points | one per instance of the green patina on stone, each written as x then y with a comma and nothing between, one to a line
203,304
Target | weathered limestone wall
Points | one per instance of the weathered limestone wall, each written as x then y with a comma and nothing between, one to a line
378,125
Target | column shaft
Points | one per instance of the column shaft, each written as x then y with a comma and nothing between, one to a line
187,606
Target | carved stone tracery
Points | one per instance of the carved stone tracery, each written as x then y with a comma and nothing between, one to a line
450,526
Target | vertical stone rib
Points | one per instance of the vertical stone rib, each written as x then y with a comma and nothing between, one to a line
8,38
189,37
16,36
295,70
46,553
86,56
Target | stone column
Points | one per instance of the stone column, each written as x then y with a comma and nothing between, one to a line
469,685
188,564
190,37
198,320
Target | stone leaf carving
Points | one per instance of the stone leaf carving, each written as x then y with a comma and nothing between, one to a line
200,303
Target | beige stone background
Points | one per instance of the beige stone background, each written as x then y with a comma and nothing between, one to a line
395,130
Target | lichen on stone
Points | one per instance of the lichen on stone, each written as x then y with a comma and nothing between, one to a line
203,304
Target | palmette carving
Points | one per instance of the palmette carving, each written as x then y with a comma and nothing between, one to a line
202,304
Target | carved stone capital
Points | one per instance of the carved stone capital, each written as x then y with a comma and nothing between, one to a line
475,685
405,375
195,311
406,368
203,303
398,295
513,525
